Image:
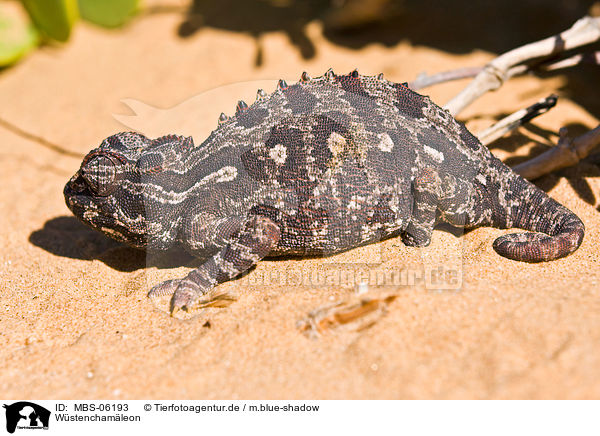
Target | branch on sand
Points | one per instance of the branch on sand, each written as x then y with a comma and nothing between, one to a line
567,153
549,54
492,76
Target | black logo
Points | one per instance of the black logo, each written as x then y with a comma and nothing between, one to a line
26,415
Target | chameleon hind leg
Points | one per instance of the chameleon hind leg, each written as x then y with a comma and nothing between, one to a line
435,192
426,192
257,237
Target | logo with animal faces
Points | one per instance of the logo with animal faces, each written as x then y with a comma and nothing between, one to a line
26,415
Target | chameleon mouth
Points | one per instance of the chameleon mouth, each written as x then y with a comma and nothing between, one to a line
97,212
79,199
77,183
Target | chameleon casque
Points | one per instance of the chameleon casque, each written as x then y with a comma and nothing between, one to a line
318,167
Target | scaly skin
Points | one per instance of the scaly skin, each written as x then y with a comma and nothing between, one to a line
318,167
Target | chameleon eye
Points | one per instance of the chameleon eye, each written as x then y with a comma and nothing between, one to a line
100,174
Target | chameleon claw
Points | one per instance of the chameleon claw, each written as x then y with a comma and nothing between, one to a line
184,297
163,289
173,310
180,301
183,293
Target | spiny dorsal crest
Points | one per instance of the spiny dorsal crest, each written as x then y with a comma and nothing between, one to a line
183,142
241,106
282,85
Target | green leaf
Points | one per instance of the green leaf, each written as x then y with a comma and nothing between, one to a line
108,13
17,34
55,18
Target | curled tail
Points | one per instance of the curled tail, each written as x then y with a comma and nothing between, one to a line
558,231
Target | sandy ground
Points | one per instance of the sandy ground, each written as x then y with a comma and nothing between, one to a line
74,318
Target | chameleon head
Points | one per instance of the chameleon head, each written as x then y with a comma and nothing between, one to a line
114,189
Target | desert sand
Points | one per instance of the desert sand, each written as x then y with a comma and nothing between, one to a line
75,321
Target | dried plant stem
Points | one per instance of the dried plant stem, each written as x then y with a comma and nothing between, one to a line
583,32
542,55
568,152
516,119
423,80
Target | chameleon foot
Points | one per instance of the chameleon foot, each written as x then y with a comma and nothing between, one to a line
184,293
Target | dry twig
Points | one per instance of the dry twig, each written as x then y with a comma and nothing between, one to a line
424,80
542,55
568,152
584,31
516,119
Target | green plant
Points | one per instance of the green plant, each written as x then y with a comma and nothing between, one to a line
54,20
17,35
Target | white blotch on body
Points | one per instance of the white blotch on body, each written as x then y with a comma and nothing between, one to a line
225,174
112,232
438,156
336,143
278,153
385,142
89,214
355,202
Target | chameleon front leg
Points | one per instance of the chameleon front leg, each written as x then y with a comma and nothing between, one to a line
257,237
203,234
